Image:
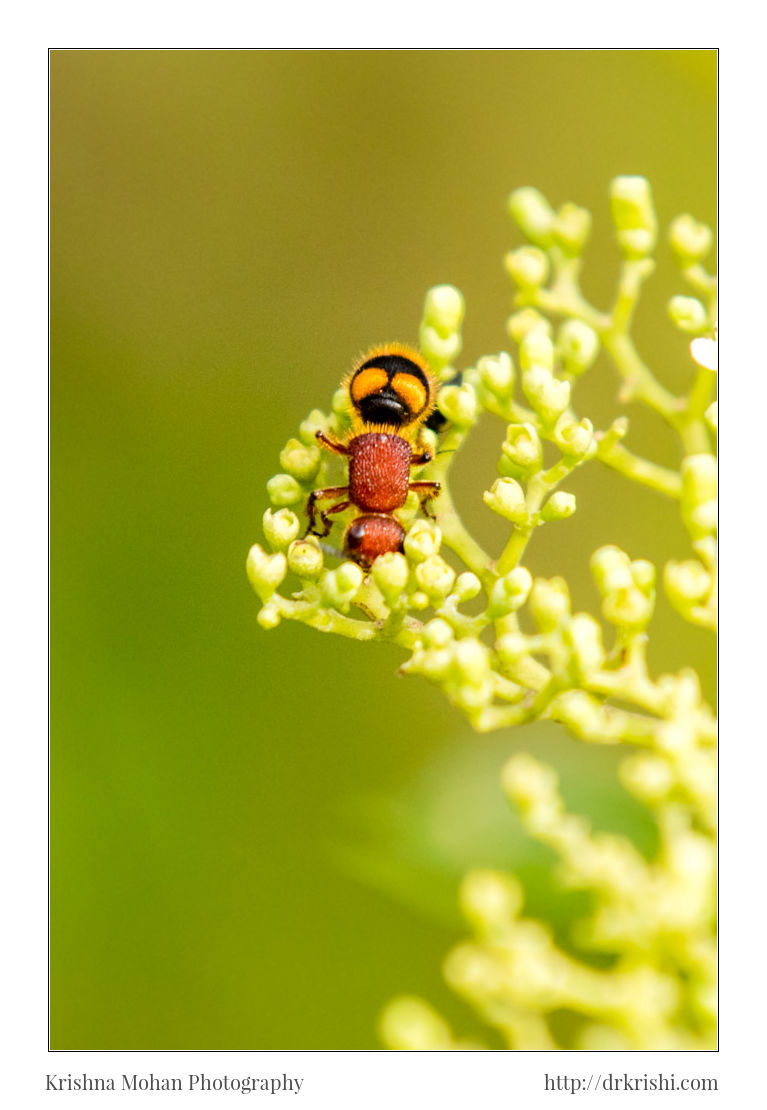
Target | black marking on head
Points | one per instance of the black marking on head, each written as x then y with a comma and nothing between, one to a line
384,407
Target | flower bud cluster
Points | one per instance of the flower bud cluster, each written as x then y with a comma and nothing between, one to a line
462,667
627,588
653,916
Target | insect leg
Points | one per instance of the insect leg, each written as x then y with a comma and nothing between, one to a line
326,494
332,444
426,491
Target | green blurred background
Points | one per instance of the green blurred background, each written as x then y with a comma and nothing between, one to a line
256,837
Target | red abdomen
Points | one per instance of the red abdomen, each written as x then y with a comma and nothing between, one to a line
370,536
379,471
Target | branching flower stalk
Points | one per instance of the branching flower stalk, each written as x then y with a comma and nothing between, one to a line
640,969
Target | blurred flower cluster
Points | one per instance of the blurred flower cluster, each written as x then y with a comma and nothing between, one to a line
639,970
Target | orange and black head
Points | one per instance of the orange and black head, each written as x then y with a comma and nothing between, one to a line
391,388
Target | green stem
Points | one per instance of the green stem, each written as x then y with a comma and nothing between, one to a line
454,532
639,380
640,470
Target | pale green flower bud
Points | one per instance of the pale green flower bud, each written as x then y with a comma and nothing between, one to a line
510,592
549,603
575,438
340,402
496,372
686,583
507,498
423,540
469,970
629,608
349,577
704,518
466,587
633,214
536,348
472,697
280,528
691,241
437,633
472,661
548,395
490,900
688,314
438,349
340,585
528,267
559,506
675,737
699,489
265,572
283,489
712,415
419,600
699,478
436,663
269,616
299,460
578,346
526,781
526,320
571,228
410,1024
435,577
522,453
315,422
611,568
458,403
586,639
643,574
648,777
444,308
533,215
390,573
305,557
